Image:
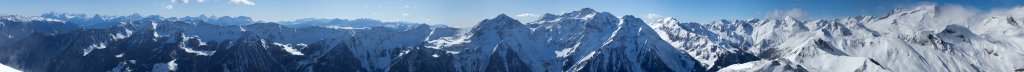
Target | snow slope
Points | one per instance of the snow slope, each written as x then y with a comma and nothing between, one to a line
5,68
923,38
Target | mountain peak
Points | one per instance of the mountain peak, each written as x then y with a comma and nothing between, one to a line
587,10
548,16
666,20
788,18
581,13
502,16
501,21
630,19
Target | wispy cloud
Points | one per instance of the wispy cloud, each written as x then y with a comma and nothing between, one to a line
1015,11
651,17
168,7
527,15
187,1
179,1
793,13
243,2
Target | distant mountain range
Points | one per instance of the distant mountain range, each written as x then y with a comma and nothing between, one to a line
912,39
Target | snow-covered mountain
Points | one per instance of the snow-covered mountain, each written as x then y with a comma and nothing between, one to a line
161,44
584,40
909,39
924,38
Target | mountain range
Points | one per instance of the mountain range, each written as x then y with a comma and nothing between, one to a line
586,40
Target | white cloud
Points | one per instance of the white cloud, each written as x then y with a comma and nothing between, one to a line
778,14
187,1
956,14
243,2
653,16
1015,11
168,7
179,1
527,15
405,14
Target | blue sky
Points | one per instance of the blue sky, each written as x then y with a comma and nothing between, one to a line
466,13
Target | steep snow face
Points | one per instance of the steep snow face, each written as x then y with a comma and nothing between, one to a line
924,38
634,46
715,45
86,51
291,50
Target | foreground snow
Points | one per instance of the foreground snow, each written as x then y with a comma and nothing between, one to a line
928,38
5,68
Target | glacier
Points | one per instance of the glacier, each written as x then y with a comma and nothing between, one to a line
929,38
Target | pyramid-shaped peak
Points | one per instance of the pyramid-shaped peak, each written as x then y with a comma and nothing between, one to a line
501,20
502,16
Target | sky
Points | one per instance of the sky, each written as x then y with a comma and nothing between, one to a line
466,13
